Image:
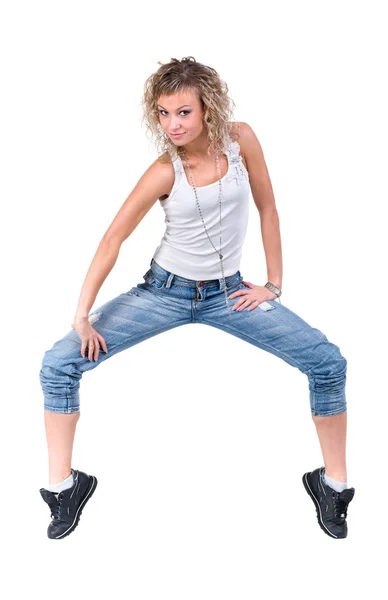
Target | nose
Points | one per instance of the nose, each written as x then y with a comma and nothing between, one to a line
174,124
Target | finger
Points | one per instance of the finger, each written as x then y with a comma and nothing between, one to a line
254,304
102,343
83,348
239,293
238,305
243,305
96,349
91,350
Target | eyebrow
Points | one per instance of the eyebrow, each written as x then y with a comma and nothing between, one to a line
177,108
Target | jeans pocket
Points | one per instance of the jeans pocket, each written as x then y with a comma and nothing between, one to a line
233,283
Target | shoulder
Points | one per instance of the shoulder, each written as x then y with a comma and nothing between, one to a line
250,147
243,134
242,140
163,167
163,162
158,177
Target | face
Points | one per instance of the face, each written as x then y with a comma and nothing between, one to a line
181,116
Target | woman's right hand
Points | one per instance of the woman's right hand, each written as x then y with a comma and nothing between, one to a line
89,337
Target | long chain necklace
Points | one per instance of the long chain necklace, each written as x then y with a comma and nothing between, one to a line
200,212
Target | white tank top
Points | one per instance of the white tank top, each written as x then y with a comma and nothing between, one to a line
185,249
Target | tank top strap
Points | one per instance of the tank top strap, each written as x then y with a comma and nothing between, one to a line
235,159
178,167
233,150
180,176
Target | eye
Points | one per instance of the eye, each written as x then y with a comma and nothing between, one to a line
161,111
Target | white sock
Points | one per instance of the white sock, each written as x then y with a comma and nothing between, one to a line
62,485
338,486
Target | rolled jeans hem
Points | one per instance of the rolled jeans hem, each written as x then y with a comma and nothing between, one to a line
61,409
331,413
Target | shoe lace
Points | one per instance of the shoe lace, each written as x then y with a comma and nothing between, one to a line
340,508
55,507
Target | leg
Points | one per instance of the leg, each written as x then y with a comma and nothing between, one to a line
60,431
127,320
280,331
332,438
284,334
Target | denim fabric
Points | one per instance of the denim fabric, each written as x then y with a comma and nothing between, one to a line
165,301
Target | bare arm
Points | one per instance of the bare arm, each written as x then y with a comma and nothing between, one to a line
154,183
265,202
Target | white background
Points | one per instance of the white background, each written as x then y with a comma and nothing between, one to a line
198,439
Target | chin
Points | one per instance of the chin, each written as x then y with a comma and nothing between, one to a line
180,142
187,140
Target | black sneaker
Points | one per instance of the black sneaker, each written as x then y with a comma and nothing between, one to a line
331,505
66,507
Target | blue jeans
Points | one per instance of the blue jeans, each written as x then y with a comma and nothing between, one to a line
165,301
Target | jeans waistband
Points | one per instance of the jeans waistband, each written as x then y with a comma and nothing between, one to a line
170,277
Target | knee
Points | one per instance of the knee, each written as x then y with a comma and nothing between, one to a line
327,386
331,370
54,368
60,361
60,382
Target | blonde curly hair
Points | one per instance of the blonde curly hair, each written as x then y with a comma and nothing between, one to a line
188,75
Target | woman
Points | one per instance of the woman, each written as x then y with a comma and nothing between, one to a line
206,167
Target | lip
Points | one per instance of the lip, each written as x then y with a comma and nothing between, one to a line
176,134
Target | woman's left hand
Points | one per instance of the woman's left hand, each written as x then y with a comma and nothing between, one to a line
252,297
